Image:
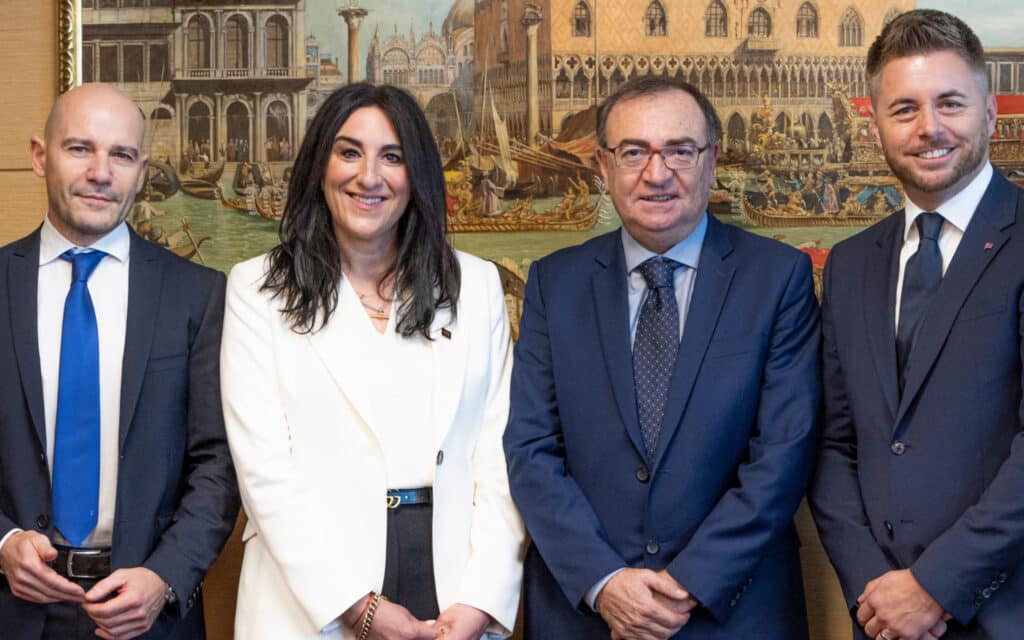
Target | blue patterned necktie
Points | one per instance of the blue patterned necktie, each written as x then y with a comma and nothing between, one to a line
654,347
921,278
76,450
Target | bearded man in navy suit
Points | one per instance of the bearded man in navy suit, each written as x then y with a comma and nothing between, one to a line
664,398
919,490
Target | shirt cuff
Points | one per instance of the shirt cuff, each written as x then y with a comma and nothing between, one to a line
6,536
591,596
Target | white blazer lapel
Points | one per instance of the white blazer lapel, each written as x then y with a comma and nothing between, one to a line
451,351
341,346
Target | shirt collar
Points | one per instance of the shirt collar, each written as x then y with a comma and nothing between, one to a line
687,251
959,209
52,244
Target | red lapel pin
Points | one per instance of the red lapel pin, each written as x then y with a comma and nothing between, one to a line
988,245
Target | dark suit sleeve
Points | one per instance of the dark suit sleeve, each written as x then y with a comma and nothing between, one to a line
834,494
969,562
751,516
558,516
209,504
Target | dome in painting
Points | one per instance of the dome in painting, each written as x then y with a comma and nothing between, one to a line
460,16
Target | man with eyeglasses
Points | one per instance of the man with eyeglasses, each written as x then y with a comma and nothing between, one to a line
664,397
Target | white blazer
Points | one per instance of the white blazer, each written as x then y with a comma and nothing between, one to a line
311,470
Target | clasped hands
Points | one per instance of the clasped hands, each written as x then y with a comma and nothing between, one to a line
123,605
895,605
640,604
394,622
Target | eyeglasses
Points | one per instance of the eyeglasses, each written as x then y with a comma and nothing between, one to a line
677,157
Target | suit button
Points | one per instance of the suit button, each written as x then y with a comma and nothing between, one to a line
986,593
898,448
1001,578
191,602
42,521
642,475
732,603
440,457
653,547
978,601
888,527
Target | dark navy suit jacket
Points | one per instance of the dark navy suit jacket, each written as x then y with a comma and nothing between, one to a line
716,506
932,480
177,497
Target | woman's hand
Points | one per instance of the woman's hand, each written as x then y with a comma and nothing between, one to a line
394,622
461,622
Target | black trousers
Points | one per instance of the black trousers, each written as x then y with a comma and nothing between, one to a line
68,620
409,567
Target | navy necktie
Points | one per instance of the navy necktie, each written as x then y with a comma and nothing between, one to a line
76,450
921,278
654,347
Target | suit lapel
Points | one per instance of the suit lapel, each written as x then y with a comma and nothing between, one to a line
450,355
23,284
710,289
341,346
879,305
988,231
611,310
145,276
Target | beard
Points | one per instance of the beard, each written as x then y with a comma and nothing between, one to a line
972,157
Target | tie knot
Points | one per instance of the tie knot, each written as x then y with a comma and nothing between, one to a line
657,272
83,263
929,225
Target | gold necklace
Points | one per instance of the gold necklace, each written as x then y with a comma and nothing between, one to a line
376,313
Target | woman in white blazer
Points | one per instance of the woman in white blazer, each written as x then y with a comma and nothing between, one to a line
365,374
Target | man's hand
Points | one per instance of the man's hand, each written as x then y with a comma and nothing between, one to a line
461,622
639,604
896,603
138,598
23,559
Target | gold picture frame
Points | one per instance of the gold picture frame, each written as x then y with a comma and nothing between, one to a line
68,36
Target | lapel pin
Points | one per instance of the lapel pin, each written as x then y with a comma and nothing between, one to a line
988,245
446,334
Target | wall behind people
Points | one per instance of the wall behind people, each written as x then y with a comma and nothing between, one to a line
28,87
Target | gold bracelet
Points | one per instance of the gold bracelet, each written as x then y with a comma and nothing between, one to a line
371,610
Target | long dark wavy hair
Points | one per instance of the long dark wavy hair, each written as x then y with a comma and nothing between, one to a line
304,270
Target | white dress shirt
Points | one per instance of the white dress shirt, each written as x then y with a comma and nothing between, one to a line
108,287
956,212
686,252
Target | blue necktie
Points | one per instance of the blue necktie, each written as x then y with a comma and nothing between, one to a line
654,347
921,278
76,450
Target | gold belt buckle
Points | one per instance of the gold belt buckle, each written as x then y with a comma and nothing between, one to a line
394,501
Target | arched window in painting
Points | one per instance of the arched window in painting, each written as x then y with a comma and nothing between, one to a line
277,43
851,29
760,24
236,46
716,20
654,20
807,21
197,36
581,20
279,131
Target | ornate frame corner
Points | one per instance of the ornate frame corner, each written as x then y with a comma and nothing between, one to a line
68,37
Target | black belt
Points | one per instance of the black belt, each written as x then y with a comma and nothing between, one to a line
92,564
403,497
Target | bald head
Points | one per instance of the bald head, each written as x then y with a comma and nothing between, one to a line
94,96
92,160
